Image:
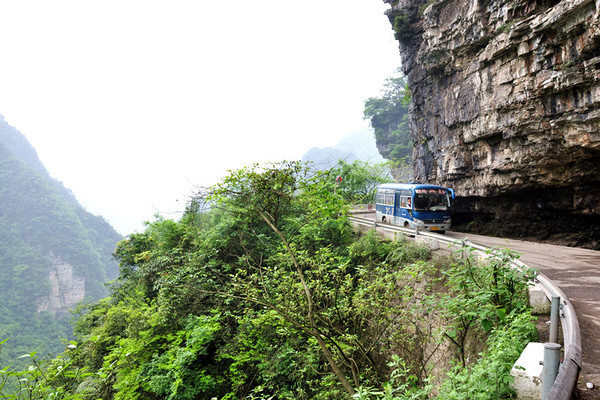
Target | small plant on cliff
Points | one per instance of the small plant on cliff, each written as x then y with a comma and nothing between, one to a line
506,27
424,6
402,27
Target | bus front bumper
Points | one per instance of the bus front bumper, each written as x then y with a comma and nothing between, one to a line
431,227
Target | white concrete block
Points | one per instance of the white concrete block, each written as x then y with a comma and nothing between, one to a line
527,372
539,303
433,244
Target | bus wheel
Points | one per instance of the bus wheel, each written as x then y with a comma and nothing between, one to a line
383,220
406,225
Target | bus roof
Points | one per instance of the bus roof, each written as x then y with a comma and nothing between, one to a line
395,186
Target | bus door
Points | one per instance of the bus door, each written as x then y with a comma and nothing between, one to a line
385,205
388,210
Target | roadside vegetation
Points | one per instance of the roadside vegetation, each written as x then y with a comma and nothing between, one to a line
263,291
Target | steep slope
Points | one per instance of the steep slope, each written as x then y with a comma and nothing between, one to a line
53,254
505,100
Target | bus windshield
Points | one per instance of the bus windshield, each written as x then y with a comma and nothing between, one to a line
431,200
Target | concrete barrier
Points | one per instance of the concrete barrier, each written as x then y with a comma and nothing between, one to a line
538,300
433,244
527,372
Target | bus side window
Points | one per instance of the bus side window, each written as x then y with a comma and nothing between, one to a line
405,202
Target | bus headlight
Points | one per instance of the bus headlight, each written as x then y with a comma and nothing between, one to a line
418,221
447,221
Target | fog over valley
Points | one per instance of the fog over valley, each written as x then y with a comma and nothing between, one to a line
134,117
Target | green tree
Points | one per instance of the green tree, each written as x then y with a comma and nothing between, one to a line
274,194
357,182
269,295
388,115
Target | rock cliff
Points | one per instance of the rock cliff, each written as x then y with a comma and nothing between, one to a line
506,109
66,288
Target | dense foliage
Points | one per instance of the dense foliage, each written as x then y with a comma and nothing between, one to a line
357,182
41,222
270,295
388,115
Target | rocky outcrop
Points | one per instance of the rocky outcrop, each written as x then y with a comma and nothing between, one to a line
506,107
66,289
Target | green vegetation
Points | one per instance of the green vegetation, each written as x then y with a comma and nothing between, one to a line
506,27
358,180
402,26
262,291
424,6
41,224
388,116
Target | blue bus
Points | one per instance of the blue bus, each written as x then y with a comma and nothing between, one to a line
415,206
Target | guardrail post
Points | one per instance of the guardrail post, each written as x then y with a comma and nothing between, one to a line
550,370
554,320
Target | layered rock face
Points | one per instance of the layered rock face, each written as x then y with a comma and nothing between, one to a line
506,108
66,289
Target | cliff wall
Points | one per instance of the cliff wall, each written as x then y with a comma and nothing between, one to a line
506,109
66,289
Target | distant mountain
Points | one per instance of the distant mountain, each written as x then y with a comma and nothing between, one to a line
53,253
359,145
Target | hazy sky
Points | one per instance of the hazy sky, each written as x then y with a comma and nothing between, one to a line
133,104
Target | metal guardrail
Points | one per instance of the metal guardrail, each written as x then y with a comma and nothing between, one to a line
566,381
